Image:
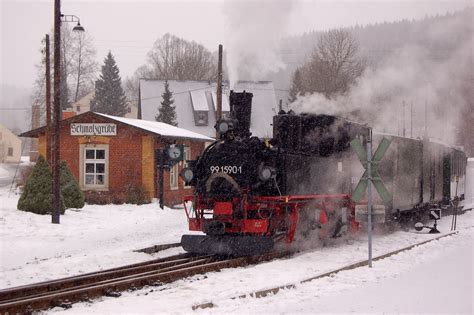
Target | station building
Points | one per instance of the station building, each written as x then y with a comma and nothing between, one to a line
113,156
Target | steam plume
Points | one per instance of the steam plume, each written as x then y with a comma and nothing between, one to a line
254,29
431,83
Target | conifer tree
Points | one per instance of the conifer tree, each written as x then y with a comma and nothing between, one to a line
38,191
70,190
167,113
109,96
296,86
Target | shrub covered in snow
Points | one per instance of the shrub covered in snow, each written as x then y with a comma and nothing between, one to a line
70,190
37,193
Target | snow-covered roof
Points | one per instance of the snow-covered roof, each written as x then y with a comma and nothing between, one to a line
199,100
159,128
264,104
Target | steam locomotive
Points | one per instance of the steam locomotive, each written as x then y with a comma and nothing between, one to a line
252,195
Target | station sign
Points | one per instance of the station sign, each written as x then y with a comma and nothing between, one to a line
93,129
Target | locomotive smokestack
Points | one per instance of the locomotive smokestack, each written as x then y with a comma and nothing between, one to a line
241,110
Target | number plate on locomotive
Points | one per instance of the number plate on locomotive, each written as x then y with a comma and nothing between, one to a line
226,169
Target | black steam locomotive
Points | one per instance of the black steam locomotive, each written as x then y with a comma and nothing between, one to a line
251,194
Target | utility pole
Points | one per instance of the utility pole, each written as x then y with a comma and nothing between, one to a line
411,120
369,194
161,168
48,103
219,89
403,119
57,112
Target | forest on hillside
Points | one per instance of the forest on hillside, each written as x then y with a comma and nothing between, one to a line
422,70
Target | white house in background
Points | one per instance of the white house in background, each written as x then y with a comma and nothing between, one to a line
195,103
10,146
84,105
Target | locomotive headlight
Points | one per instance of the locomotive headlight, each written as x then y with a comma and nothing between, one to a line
223,127
265,172
187,174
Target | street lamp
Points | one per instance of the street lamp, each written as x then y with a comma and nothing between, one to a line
58,18
73,18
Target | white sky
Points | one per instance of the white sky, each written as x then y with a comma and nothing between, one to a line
129,28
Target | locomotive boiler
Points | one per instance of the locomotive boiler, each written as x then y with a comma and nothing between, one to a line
252,195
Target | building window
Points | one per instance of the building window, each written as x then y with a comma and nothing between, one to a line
129,110
94,167
78,109
10,152
201,118
174,177
186,158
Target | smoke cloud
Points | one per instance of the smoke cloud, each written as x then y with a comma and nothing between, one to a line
253,32
413,89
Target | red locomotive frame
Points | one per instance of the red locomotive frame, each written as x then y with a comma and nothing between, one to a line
274,216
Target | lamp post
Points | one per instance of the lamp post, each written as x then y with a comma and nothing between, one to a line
57,106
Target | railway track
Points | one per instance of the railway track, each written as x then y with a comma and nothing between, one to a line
275,290
64,292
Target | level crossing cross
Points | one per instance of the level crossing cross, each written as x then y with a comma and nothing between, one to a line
375,176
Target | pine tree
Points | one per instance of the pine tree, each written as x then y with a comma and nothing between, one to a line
38,191
167,113
70,190
296,85
109,96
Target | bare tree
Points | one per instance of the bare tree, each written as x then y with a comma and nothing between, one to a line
334,64
83,66
175,58
131,84
78,68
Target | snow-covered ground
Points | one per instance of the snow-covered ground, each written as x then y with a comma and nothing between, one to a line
436,277
3,171
7,171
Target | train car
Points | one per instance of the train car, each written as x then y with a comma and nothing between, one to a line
251,194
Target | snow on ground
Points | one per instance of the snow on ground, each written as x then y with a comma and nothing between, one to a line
3,171
436,277
93,238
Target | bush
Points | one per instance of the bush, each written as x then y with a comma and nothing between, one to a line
38,192
70,190
97,198
137,195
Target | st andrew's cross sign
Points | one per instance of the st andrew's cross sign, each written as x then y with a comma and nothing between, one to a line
375,176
